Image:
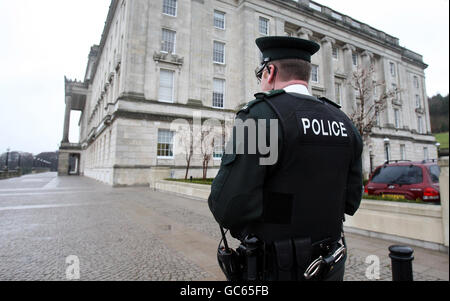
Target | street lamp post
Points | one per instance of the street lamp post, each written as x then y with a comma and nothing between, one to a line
18,163
386,149
7,158
371,159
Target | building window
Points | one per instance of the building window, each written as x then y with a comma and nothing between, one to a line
165,144
418,102
419,125
355,59
397,118
219,149
170,7
416,82
395,90
377,118
166,85
357,94
263,26
168,41
392,68
219,52
219,19
402,152
425,153
218,93
314,73
375,92
338,93
335,53
358,107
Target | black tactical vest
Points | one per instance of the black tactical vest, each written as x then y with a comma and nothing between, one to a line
304,193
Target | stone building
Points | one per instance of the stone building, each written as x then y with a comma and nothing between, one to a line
162,60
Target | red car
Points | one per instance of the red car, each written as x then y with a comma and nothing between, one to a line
406,180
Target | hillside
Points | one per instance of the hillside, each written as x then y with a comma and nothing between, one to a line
438,106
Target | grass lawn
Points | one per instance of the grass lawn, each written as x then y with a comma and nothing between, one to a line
194,181
380,198
442,138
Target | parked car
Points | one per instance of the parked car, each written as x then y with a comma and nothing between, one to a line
406,180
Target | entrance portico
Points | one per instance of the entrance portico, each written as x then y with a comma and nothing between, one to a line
70,153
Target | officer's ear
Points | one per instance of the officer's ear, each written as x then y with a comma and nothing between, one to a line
272,72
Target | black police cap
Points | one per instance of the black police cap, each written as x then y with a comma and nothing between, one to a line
278,48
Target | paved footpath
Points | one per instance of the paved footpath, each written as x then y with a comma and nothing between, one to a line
135,234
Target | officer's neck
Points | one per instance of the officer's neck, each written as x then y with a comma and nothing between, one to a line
282,85
278,85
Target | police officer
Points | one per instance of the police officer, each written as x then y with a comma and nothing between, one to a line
292,210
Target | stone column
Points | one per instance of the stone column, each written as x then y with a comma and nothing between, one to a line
328,67
67,119
304,33
389,110
366,65
348,101
367,57
443,184
63,163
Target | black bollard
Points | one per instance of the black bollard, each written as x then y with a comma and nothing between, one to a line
402,257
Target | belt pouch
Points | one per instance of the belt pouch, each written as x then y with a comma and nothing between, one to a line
284,254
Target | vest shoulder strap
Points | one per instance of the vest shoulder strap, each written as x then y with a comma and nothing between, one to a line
259,97
246,109
269,94
326,100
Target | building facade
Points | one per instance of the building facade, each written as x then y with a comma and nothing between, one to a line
162,60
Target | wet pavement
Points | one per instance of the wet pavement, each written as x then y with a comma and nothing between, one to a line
137,234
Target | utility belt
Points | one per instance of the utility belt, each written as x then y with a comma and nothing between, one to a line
285,260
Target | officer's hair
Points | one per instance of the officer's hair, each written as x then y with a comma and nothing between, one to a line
293,69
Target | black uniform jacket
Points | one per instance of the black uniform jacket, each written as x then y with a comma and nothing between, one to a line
236,198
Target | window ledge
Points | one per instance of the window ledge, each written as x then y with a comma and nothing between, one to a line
419,110
173,16
397,102
165,101
168,58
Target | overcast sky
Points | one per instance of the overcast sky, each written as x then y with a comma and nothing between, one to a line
41,41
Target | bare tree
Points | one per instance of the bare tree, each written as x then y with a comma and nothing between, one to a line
212,132
206,148
184,141
371,103
188,148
